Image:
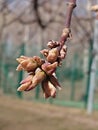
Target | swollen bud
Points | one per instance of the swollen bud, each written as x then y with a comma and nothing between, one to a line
38,77
53,44
29,63
24,86
49,68
63,52
55,82
22,58
48,89
44,52
19,67
52,55
25,83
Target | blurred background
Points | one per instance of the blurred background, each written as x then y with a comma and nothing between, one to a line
25,28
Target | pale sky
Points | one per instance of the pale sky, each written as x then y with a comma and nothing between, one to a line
81,9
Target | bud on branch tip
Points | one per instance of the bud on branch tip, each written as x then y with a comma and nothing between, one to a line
43,70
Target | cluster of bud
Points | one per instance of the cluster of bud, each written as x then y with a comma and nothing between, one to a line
43,70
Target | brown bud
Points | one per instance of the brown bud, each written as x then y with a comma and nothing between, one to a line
25,83
29,63
54,81
66,33
38,60
24,86
27,79
48,89
52,44
38,77
53,55
45,52
24,63
63,52
49,68
19,67
21,58
31,66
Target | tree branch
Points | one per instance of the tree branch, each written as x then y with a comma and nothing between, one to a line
71,5
43,71
35,5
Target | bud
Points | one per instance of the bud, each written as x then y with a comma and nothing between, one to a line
29,63
52,44
66,33
22,58
38,60
27,79
63,52
24,86
49,68
53,55
25,83
48,89
54,81
38,77
19,67
45,52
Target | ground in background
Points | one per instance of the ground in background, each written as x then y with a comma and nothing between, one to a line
26,115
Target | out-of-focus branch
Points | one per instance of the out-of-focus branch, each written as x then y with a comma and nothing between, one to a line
2,26
35,5
41,22
14,20
22,21
81,26
3,5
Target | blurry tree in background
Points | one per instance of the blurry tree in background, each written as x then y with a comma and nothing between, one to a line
41,14
44,20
